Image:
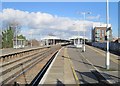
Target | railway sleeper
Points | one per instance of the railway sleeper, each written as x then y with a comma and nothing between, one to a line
13,75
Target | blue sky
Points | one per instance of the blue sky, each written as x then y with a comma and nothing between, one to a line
59,0
70,9
119,20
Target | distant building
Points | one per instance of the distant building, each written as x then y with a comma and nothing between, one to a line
99,33
117,40
78,40
20,43
114,39
33,42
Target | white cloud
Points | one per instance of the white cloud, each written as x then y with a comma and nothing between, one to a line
94,17
37,21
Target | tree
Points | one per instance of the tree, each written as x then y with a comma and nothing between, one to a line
10,30
21,37
7,38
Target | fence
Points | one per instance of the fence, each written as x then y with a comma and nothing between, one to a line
113,46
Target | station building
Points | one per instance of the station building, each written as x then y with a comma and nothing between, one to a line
53,40
99,32
19,43
78,41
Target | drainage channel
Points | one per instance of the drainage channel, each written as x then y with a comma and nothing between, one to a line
39,76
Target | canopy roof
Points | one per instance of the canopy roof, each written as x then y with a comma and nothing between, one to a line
76,37
50,37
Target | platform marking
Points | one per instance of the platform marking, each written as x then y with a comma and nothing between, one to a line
114,60
73,70
46,73
89,62
95,68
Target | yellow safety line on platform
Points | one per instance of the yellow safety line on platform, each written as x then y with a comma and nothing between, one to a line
73,70
114,60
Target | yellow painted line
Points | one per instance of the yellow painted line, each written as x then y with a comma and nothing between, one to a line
73,70
114,60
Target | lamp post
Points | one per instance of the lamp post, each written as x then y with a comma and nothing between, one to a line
31,44
16,36
91,33
78,41
15,27
31,36
31,40
78,37
107,31
84,15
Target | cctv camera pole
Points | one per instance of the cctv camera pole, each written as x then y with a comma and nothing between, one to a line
108,53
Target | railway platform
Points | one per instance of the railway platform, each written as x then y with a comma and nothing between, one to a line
60,66
72,66
60,71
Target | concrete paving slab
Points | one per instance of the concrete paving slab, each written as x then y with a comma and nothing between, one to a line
82,64
60,72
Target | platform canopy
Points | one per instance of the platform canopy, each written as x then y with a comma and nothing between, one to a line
76,37
50,37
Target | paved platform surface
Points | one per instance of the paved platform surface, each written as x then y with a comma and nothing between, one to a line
92,59
61,71
72,66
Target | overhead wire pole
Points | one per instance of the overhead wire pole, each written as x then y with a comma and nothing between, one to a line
107,31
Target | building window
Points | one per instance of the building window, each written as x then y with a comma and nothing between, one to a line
97,39
103,39
102,35
98,30
102,31
97,35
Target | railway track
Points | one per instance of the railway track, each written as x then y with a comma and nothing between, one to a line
24,69
17,62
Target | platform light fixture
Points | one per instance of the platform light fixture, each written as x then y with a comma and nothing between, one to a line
84,16
107,31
